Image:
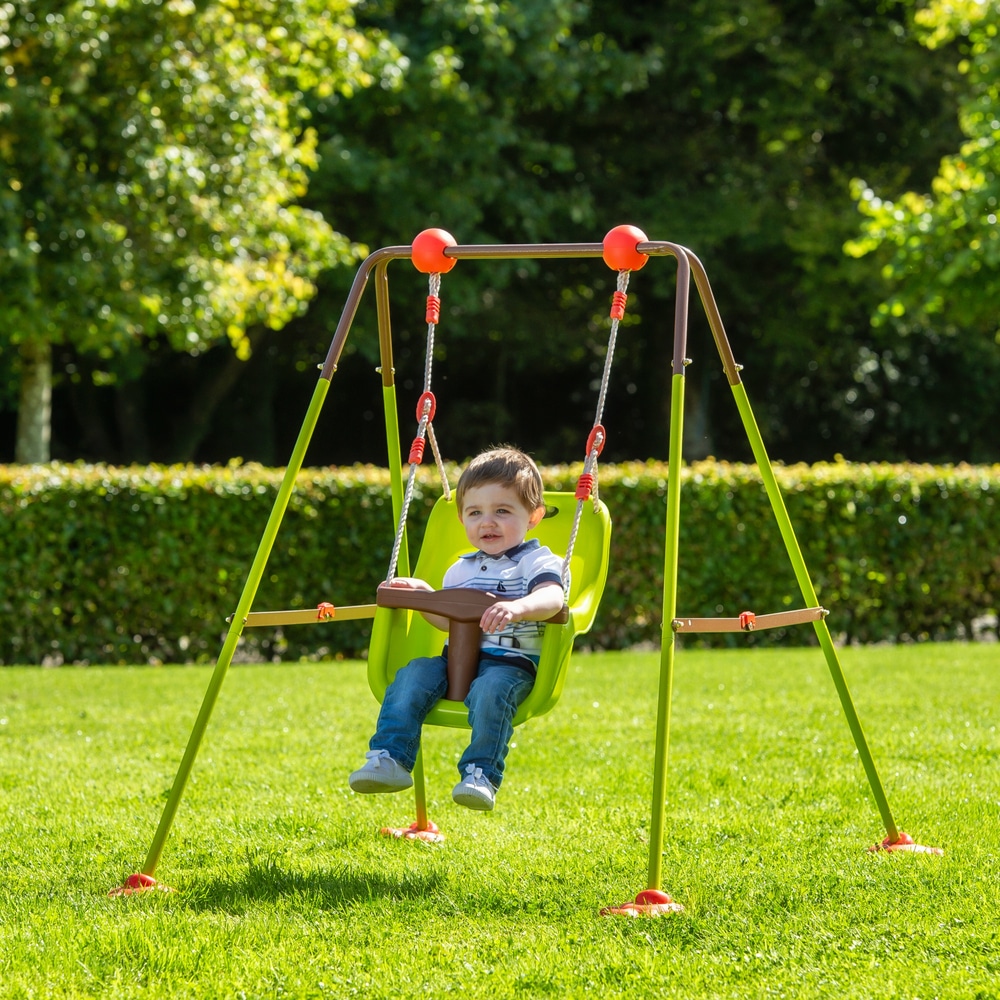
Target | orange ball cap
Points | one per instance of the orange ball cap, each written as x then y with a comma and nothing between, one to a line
620,252
428,251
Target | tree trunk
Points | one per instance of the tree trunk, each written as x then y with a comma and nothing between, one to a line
34,410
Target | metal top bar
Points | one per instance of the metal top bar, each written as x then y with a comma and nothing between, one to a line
484,251
513,251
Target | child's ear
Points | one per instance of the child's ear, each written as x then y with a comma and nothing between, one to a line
536,515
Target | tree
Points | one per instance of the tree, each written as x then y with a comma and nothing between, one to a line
471,141
939,251
944,245
153,154
733,128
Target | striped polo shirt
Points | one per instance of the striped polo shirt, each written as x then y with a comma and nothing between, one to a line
510,575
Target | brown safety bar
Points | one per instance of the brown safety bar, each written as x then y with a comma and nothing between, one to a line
463,607
748,621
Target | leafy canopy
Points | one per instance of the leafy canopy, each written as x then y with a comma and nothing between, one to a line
942,247
152,153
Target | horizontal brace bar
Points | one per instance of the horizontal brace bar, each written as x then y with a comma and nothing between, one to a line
308,616
756,622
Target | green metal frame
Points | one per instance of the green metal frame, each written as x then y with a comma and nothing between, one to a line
688,265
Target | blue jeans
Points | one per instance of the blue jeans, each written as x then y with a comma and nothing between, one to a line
497,691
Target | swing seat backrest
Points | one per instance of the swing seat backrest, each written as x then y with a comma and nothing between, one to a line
399,636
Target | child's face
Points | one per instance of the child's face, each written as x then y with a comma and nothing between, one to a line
495,518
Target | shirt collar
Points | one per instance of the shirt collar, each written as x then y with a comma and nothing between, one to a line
515,554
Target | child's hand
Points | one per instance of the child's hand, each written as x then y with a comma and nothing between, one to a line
543,602
407,583
497,617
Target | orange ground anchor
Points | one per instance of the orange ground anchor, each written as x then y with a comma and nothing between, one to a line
904,843
429,834
136,883
648,903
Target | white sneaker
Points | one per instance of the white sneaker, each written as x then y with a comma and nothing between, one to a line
380,774
475,790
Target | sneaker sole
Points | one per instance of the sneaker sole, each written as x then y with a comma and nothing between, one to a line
472,802
368,786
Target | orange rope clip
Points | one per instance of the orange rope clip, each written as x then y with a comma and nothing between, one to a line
748,621
618,301
426,397
584,486
325,610
592,441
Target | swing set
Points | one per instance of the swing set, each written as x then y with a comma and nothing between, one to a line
576,523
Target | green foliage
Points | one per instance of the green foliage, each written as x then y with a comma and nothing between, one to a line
284,887
895,552
943,247
733,129
938,248
144,220
129,565
153,156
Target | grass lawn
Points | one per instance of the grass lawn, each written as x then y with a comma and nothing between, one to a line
285,888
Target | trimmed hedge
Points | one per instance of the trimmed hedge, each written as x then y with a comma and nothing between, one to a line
143,564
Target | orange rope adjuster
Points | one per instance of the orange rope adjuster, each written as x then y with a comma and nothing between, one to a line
416,455
433,314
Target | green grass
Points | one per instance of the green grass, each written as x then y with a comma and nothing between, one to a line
285,888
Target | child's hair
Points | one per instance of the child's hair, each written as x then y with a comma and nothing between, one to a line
509,466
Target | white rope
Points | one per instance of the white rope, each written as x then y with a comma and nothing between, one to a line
612,339
433,288
442,472
407,497
590,465
425,431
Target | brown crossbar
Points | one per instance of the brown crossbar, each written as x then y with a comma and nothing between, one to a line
306,616
459,604
748,621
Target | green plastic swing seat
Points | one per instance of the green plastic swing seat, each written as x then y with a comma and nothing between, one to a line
399,636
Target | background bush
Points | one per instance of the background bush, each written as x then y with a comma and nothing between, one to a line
143,564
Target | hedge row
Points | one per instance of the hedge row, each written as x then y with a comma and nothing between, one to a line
136,565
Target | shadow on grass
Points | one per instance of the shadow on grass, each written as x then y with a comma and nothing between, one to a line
269,880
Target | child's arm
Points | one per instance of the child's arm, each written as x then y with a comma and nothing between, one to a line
543,602
415,583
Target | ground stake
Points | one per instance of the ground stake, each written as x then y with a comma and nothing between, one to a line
430,834
905,843
137,883
649,903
